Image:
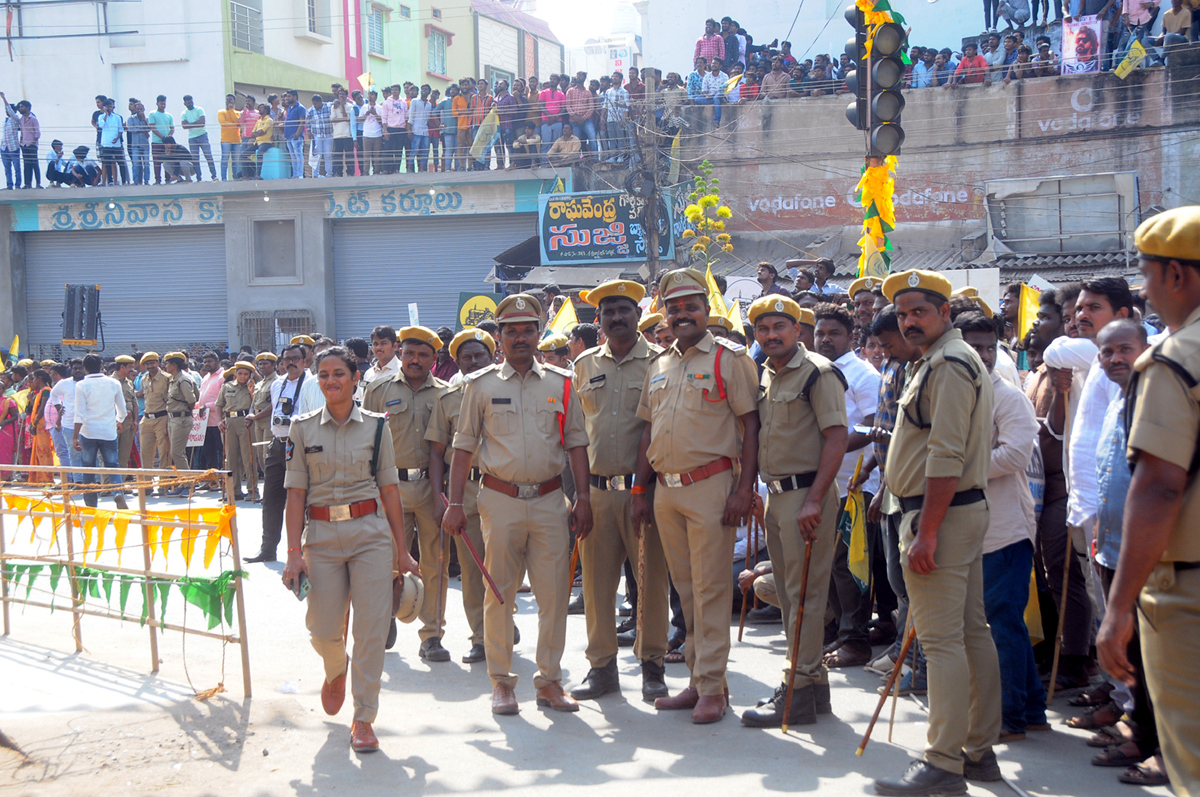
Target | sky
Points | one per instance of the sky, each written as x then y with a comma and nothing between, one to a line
573,27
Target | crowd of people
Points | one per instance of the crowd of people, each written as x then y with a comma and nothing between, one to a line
990,466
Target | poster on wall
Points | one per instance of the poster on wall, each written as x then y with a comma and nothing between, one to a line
474,309
1082,45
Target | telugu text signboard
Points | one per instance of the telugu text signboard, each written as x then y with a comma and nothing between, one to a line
598,227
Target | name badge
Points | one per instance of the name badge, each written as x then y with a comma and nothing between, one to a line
596,379
313,449
502,401
394,402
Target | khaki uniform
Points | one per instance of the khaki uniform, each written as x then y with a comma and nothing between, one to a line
687,431
154,437
1165,423
511,424
609,393
442,426
182,396
261,432
794,413
125,435
408,412
349,562
234,404
944,429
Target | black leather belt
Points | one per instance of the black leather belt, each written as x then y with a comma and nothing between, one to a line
960,499
474,475
1186,566
237,414
622,482
800,481
413,474
180,414
156,414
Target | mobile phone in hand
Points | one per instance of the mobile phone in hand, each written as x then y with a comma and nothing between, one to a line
301,586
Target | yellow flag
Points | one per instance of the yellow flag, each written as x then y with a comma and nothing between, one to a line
853,528
1132,60
1028,310
716,302
871,263
1033,613
491,123
13,352
564,320
673,172
364,80
735,315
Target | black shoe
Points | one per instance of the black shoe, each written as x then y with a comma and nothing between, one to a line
262,556
516,635
600,681
654,684
883,633
625,609
986,769
239,496
576,605
626,639
475,654
922,779
626,625
821,698
765,614
432,650
391,640
769,714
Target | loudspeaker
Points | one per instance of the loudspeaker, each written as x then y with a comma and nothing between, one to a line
81,315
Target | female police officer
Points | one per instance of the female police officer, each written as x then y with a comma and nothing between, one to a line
341,477
182,396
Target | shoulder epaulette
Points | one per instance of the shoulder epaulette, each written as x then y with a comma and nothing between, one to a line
366,413
729,344
307,415
560,371
472,377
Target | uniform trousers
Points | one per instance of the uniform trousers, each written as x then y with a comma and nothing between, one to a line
154,440
699,548
274,495
525,534
238,455
260,433
177,431
125,445
350,565
786,548
417,497
602,554
1170,628
948,612
472,578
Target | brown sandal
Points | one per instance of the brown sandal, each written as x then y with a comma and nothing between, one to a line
1115,756
1116,734
846,656
1096,718
1143,775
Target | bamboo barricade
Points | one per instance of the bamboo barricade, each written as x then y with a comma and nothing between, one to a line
69,517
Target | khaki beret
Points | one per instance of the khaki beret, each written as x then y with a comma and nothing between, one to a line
175,355
25,362
650,321
266,355
682,282
917,280
47,363
472,333
243,364
124,359
519,307
421,335
553,342
1171,235
864,284
149,357
303,340
720,321
972,293
774,304
808,317
625,289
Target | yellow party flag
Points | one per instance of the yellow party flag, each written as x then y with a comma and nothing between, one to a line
1132,60
103,516
716,302
364,80
1027,310
120,522
855,518
735,315
1033,613
564,320
152,540
871,263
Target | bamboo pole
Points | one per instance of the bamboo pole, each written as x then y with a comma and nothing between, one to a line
239,598
69,533
149,589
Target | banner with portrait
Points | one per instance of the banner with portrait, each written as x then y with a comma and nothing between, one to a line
1082,45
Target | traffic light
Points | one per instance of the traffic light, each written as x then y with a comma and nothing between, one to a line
876,82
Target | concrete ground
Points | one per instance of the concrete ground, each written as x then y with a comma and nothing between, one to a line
99,723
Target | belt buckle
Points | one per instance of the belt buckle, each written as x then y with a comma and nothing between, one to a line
672,479
616,482
775,487
528,490
339,513
415,474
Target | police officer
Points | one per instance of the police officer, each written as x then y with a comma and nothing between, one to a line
234,404
472,349
407,399
808,329
521,422
701,401
260,432
647,324
342,499
553,350
182,395
1160,574
801,445
609,380
862,295
127,429
285,404
937,467
154,438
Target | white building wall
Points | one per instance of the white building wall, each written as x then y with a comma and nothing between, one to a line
550,59
498,46
604,56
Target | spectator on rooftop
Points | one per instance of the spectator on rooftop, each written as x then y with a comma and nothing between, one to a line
971,69
1015,12
775,83
924,74
713,88
785,52
695,80
710,45
992,52
1021,68
1045,63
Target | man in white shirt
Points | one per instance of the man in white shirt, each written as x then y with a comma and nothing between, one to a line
834,338
60,413
1008,543
99,407
386,351
1100,301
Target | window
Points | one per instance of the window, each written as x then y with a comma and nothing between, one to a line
317,19
275,249
247,24
311,15
437,13
405,12
375,21
437,52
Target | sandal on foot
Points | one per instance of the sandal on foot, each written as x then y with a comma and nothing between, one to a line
1113,756
1092,698
1146,773
1117,734
1096,718
675,656
846,656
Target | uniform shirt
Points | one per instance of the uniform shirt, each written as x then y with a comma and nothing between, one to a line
182,393
333,463
155,391
687,431
1166,419
443,423
609,393
408,412
234,397
130,396
511,422
262,393
283,388
862,399
790,441
99,406
1014,434
955,404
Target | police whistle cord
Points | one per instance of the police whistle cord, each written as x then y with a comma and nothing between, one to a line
475,555
908,640
795,652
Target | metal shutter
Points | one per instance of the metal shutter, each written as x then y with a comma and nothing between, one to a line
158,289
380,265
